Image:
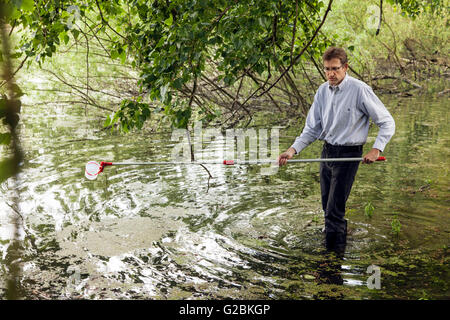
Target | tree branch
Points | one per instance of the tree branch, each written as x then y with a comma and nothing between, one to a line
381,15
301,52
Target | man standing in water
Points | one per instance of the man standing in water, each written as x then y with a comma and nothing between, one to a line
340,117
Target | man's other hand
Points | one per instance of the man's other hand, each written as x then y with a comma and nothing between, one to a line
285,156
371,156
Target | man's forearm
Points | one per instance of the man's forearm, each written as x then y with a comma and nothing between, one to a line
292,151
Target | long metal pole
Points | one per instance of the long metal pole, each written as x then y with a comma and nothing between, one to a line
233,162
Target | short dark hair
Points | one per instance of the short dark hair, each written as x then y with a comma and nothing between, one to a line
335,52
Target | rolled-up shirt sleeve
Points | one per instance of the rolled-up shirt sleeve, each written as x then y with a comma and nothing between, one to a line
376,110
312,129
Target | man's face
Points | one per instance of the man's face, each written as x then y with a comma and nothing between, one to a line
335,71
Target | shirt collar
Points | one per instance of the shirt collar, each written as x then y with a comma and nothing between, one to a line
341,85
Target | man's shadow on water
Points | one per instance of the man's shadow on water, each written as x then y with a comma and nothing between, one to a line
329,270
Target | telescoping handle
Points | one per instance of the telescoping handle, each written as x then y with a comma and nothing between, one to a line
233,162
104,164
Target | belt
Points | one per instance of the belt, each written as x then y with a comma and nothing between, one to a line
344,148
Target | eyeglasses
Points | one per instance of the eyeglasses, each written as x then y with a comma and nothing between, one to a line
332,69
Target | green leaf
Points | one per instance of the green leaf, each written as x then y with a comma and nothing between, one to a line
5,138
75,33
108,121
163,91
7,169
114,54
27,5
123,57
369,209
169,21
18,92
178,83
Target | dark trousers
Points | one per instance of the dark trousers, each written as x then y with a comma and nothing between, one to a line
336,180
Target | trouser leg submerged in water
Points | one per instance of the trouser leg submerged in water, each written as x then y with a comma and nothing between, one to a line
336,180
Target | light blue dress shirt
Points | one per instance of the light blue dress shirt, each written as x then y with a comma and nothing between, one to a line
340,115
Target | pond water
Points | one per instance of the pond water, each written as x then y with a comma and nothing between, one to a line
161,232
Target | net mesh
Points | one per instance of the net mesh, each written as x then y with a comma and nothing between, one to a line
92,170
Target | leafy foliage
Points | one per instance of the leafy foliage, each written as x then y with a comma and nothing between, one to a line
174,44
413,8
177,39
133,114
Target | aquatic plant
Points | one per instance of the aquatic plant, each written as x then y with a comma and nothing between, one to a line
369,209
395,225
